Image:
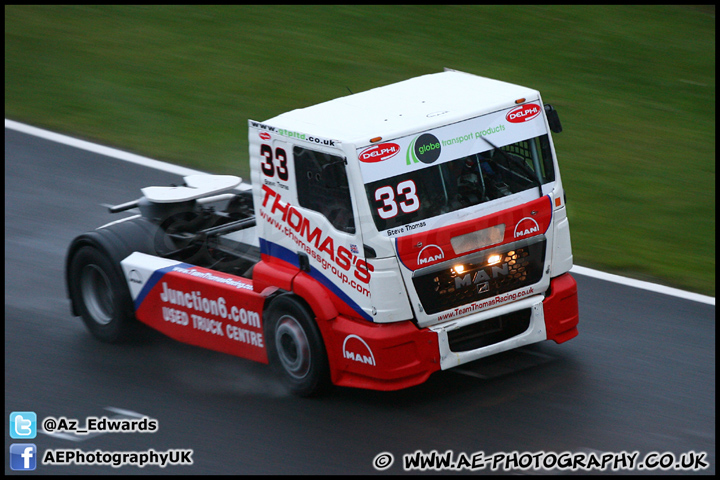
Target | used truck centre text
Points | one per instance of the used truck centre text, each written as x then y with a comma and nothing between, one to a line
387,235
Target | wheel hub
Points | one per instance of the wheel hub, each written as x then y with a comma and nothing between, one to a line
293,347
97,293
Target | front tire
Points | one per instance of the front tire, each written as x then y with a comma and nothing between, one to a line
295,346
101,296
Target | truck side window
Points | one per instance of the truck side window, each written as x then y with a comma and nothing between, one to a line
322,186
539,146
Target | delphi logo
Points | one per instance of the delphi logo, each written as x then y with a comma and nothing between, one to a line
526,226
379,152
355,349
523,113
425,148
430,254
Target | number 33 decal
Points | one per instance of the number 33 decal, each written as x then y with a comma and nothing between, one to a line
386,195
268,167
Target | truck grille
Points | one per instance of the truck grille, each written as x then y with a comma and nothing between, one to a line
441,288
489,332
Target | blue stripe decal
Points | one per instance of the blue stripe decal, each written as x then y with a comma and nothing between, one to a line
552,214
154,279
287,255
277,251
398,255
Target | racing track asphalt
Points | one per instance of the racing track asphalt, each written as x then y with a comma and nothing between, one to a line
639,377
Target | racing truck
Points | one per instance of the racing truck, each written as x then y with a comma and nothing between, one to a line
384,236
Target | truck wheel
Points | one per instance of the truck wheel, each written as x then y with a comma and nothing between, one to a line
102,298
295,347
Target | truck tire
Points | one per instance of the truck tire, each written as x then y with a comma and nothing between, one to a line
103,300
295,346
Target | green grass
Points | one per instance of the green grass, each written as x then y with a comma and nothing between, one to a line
635,88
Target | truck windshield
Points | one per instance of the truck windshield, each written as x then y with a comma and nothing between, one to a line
460,183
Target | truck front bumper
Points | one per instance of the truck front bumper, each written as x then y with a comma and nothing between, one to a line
399,355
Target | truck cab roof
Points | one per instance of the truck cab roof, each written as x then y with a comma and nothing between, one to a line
403,108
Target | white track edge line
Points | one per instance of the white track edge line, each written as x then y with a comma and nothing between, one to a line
168,167
107,151
631,282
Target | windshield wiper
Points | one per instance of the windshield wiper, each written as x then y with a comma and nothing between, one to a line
535,176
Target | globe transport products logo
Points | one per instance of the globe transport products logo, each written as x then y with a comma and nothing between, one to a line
425,148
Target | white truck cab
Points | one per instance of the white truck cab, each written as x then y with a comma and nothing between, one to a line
435,201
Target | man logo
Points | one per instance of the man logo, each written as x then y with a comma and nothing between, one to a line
354,348
425,149
526,226
430,254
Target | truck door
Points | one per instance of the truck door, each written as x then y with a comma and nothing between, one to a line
307,218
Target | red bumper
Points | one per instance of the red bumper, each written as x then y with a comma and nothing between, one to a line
561,309
394,356
377,356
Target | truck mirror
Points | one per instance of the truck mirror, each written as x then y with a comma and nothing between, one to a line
553,119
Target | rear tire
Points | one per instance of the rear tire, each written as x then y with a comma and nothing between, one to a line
295,347
101,295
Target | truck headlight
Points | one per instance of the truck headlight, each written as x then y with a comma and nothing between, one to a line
494,258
